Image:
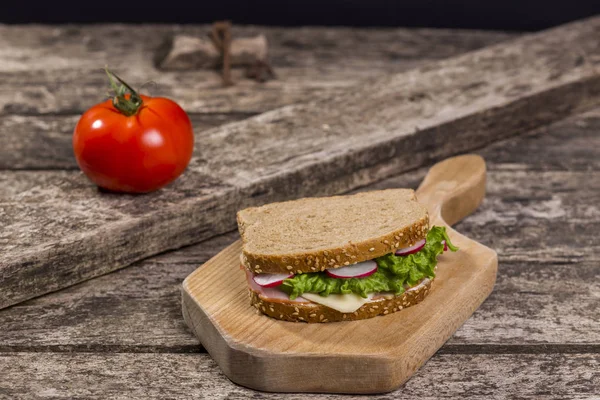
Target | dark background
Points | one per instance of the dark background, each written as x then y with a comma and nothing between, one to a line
474,14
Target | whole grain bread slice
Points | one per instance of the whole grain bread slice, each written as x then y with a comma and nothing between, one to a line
313,312
314,234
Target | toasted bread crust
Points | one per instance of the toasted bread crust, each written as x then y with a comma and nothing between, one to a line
334,257
313,312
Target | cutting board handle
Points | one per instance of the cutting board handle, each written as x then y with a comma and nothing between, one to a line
453,188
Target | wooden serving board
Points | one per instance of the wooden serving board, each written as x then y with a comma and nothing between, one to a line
369,356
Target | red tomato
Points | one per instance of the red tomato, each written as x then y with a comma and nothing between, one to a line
135,153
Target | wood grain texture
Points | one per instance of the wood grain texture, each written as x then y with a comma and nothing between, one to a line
545,299
162,376
308,61
57,70
59,230
376,355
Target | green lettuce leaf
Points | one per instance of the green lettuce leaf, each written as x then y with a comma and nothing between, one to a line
394,273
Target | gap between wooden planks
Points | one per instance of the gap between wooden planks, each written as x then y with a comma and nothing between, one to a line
58,230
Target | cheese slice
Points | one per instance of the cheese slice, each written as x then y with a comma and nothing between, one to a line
345,303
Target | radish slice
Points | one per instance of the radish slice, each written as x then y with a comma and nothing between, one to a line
271,280
445,245
412,249
360,270
273,293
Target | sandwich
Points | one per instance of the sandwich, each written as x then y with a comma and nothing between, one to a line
340,258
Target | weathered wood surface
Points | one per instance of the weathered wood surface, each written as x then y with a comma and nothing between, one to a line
161,376
59,230
545,300
56,70
308,61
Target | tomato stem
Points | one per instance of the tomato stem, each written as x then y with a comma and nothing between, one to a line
127,105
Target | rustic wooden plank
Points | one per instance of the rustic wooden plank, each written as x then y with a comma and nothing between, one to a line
59,230
311,60
57,69
44,142
544,296
160,376
570,145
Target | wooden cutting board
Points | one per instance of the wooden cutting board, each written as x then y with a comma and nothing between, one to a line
368,356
